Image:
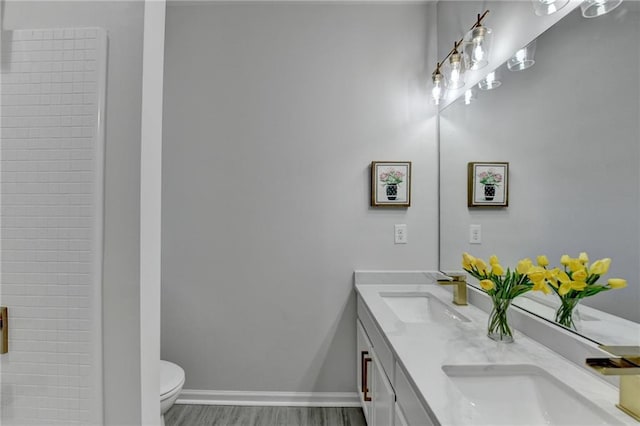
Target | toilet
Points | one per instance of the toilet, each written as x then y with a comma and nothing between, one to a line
171,382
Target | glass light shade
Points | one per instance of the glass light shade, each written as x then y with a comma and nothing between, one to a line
523,58
438,89
470,95
477,44
491,81
548,7
595,8
455,72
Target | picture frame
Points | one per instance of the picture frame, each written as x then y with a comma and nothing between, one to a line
391,183
488,184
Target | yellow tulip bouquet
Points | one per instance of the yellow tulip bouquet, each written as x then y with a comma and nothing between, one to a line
573,283
502,286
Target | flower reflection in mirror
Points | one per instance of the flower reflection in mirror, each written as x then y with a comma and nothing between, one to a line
576,280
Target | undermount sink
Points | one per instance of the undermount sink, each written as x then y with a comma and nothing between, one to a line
421,307
522,395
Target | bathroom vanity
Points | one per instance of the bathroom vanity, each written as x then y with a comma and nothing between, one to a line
422,360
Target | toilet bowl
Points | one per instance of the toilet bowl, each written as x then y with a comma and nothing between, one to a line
171,382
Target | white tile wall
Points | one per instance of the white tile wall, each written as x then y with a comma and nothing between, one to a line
51,187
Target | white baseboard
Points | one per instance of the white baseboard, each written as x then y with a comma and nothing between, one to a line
281,399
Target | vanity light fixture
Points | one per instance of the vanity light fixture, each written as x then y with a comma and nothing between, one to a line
548,7
523,58
490,82
438,90
477,44
455,70
595,8
474,55
470,95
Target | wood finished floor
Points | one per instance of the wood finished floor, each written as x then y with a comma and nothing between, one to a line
209,415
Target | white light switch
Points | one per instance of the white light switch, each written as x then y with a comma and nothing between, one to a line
400,233
475,234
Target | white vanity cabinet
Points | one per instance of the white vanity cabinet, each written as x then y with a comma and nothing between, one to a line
383,397
440,370
364,360
398,417
408,404
386,395
376,393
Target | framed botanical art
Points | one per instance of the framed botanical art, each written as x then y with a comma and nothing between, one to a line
488,184
391,183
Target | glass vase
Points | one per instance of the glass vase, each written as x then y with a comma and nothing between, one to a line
498,328
567,313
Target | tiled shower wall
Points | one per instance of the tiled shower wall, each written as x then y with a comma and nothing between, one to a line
51,154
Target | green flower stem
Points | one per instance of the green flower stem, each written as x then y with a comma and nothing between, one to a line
498,323
564,314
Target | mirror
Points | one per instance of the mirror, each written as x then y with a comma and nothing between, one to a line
569,129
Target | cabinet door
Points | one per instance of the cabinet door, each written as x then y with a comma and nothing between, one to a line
398,417
408,402
364,361
383,396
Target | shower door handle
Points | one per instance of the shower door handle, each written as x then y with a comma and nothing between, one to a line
4,330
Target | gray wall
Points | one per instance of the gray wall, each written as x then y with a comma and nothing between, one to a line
121,300
569,128
272,115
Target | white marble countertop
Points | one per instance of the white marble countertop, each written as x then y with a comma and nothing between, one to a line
423,348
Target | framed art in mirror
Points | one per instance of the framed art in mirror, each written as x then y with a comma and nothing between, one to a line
488,184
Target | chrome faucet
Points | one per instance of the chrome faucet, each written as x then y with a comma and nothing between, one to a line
459,280
627,366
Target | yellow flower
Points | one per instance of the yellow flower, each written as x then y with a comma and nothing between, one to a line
524,265
578,285
468,261
552,276
583,257
580,275
487,285
600,267
493,260
541,286
564,288
496,269
565,259
617,283
482,267
575,265
563,277
542,260
536,274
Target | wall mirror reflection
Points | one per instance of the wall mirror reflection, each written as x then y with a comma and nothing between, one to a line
569,128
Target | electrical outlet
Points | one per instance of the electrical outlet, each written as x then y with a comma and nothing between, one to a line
475,234
400,233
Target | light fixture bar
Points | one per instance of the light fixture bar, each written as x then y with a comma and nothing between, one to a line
459,42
